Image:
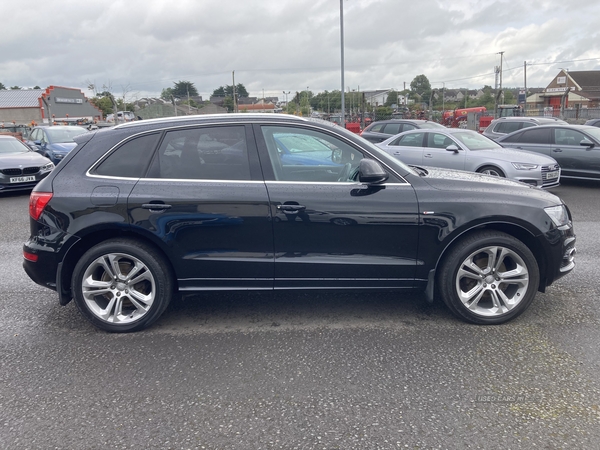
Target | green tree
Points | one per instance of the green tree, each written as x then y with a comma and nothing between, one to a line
182,89
104,104
2,87
420,88
15,88
166,94
227,91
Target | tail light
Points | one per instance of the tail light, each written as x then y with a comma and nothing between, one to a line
37,203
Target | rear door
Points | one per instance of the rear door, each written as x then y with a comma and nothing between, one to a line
205,199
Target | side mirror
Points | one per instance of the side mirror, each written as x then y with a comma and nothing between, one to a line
370,171
452,148
587,143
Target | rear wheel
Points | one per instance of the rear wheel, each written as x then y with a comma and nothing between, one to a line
489,277
122,285
491,170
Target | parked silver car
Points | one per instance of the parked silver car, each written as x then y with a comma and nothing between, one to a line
456,148
506,125
575,147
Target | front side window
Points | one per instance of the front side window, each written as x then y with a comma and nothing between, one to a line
298,154
536,135
203,153
438,140
564,136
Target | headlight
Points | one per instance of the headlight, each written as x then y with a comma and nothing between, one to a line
525,166
48,166
59,155
558,214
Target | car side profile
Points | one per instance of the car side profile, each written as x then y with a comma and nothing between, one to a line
381,130
506,125
460,149
146,210
575,147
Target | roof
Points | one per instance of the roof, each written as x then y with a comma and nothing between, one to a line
17,98
588,80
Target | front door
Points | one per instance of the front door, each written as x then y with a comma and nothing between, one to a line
330,230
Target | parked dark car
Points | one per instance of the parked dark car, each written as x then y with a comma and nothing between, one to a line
384,129
20,167
506,125
575,147
137,213
593,123
54,142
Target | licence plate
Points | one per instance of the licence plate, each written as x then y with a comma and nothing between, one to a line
552,175
22,179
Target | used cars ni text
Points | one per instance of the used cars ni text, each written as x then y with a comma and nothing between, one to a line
148,209
460,149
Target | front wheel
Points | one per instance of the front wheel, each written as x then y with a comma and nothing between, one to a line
491,170
489,277
122,285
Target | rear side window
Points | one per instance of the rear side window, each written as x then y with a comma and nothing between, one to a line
410,140
536,135
393,128
203,153
131,159
377,128
507,127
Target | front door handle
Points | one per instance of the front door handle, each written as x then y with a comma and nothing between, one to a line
156,207
557,150
291,209
427,155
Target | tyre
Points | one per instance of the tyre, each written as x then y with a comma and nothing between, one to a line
491,170
488,277
122,285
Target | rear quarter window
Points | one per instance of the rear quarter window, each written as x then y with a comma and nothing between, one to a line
131,159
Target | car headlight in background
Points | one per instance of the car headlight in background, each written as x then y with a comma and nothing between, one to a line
558,214
524,166
48,166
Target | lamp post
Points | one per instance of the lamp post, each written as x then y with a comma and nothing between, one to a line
286,99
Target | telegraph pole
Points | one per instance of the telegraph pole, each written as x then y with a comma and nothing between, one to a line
343,122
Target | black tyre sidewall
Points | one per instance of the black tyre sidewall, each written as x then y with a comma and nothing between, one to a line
497,169
461,250
155,263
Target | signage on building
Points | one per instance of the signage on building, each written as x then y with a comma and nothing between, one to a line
561,89
68,100
561,80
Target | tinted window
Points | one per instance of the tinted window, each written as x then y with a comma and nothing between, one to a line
507,127
536,135
207,153
393,128
528,124
407,127
564,136
306,155
514,138
131,159
377,128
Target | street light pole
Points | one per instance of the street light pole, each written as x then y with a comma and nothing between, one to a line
343,121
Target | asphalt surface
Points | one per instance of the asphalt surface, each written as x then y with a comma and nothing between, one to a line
303,370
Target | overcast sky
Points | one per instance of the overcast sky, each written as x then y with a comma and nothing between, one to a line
138,47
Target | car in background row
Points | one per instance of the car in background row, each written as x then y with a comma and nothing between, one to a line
142,211
457,148
506,125
123,116
20,167
593,123
575,147
54,142
384,129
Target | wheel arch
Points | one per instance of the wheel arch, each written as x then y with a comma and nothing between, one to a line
517,231
96,237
